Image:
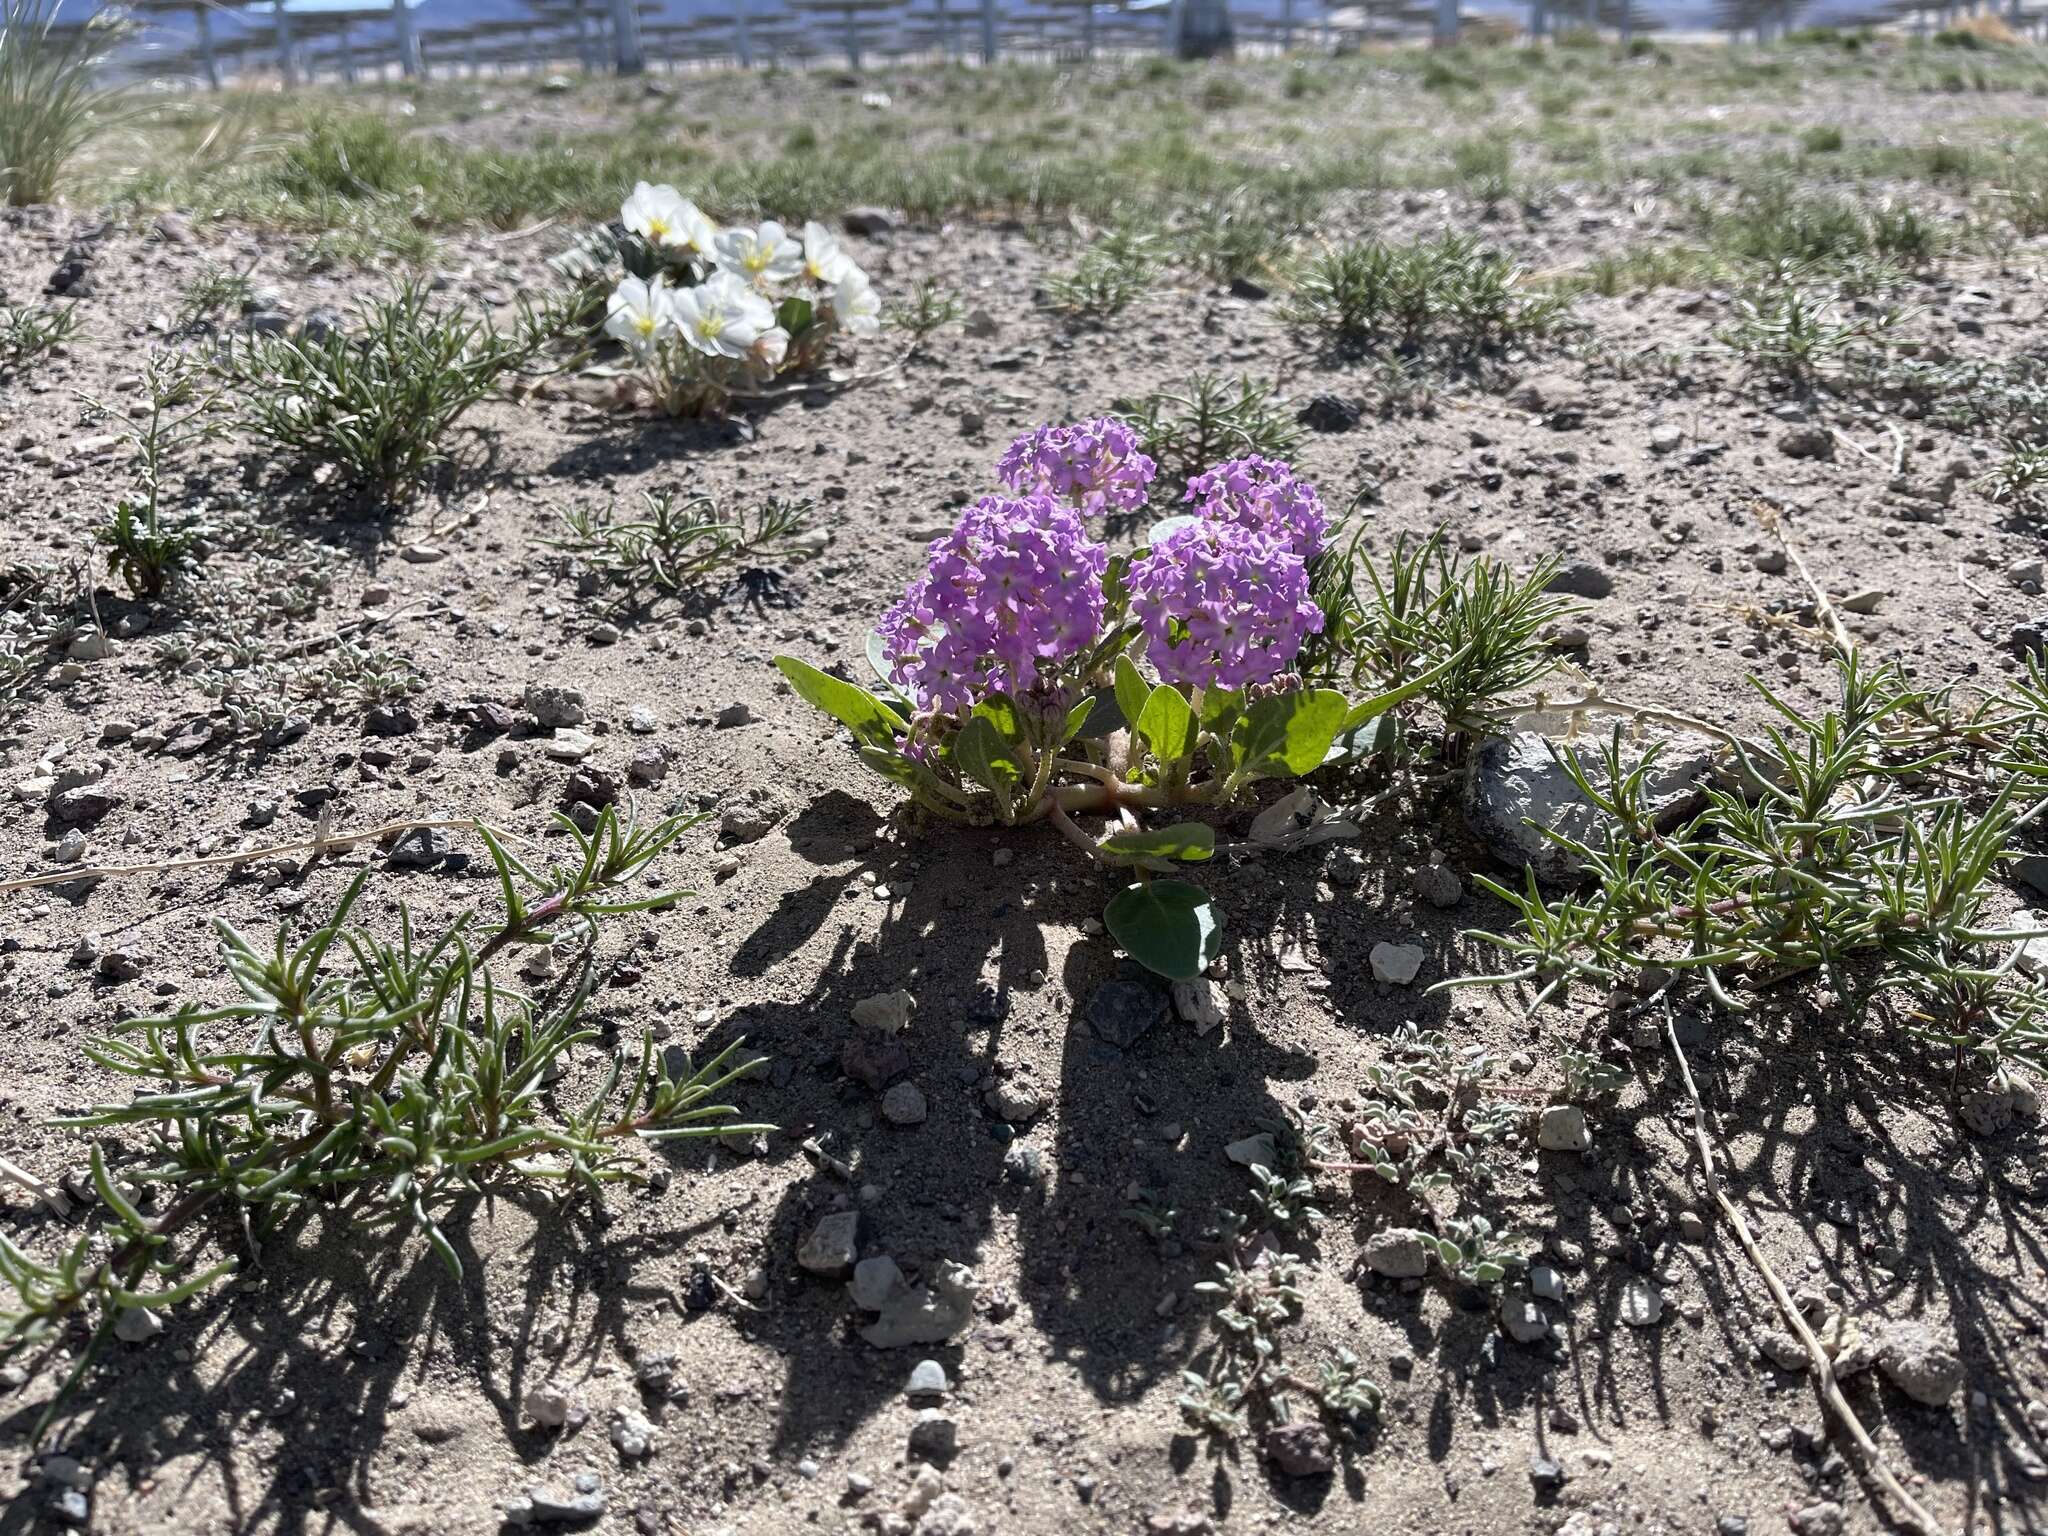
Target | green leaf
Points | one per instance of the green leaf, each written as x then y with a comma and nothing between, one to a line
1132,691
1287,734
1189,840
980,753
1169,927
794,315
893,766
870,720
1000,711
878,656
1168,724
1379,704
1355,743
1082,716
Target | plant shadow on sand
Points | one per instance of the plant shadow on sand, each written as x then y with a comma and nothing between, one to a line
328,1349
1154,1116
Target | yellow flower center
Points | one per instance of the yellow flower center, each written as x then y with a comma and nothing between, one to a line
644,324
708,326
657,229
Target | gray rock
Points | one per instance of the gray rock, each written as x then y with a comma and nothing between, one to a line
904,1104
1522,1319
749,819
1920,1363
1813,442
68,1506
874,1282
631,1435
873,1058
927,1379
1580,578
1514,781
833,1246
1397,1253
1437,884
1300,1450
569,745
1397,964
124,964
421,848
1666,438
544,1506
547,1406
1013,1102
1782,1350
735,715
137,1325
1023,1164
81,806
1121,1011
868,223
886,1011
553,706
1544,1473
1198,1004
1642,1304
1825,1518
930,1313
934,1436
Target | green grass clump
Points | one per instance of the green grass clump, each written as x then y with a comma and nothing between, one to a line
1111,275
30,333
1452,289
1206,421
50,101
378,397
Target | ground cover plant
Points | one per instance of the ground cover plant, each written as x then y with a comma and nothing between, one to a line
381,1081
377,397
1689,1184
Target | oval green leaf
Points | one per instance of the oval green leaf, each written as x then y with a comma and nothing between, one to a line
1168,926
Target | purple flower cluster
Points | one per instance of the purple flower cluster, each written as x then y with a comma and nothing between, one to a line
1267,497
1012,592
1094,466
1222,605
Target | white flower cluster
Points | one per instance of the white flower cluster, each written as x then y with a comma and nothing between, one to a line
761,301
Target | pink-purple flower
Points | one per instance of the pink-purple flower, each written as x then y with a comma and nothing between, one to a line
1094,466
1009,595
1222,605
1266,496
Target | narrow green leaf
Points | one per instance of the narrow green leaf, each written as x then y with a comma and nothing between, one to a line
1132,691
1190,840
871,721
